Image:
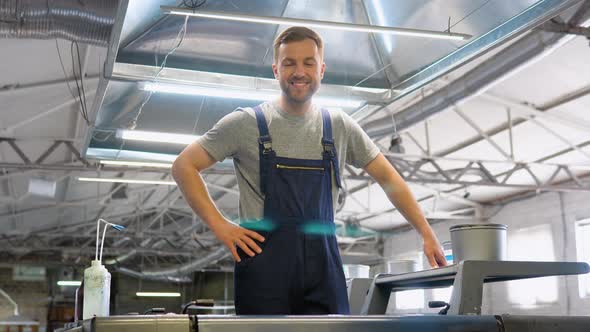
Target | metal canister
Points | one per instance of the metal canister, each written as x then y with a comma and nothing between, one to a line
479,242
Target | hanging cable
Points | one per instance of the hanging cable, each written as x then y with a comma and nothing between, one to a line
133,123
179,36
193,4
79,96
79,86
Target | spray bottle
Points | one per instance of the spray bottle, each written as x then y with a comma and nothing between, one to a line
97,280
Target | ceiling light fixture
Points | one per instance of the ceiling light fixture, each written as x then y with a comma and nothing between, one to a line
257,95
121,180
158,294
153,136
162,182
135,163
69,283
315,23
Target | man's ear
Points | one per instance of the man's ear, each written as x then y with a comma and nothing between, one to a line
322,70
275,71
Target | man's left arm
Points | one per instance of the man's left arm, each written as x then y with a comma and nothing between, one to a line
400,195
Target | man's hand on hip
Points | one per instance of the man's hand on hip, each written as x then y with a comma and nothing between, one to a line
234,236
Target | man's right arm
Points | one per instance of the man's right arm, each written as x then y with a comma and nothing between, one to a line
186,172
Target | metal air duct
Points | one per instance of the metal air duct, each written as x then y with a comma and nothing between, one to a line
84,21
176,273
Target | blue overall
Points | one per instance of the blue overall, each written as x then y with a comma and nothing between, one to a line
299,271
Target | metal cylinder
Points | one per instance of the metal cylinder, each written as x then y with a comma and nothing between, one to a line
479,242
401,266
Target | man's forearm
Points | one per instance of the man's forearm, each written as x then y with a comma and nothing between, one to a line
195,192
401,196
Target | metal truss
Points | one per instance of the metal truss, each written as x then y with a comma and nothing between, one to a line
79,165
433,168
424,169
168,237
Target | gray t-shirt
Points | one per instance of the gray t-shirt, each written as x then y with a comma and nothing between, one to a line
293,136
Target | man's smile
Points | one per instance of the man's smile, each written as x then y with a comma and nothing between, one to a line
299,83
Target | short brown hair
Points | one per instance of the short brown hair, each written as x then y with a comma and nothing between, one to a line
294,34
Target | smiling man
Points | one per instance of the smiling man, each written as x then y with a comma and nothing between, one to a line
287,155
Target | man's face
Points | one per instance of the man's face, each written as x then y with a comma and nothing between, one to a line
299,68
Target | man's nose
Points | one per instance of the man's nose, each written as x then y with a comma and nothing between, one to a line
299,70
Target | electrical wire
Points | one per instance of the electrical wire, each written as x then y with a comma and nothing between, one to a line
81,97
79,86
179,36
109,132
133,123
63,68
193,4
81,90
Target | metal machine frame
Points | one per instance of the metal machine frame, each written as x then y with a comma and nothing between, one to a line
467,278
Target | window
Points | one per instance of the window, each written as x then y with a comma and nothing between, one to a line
442,294
410,299
583,254
532,244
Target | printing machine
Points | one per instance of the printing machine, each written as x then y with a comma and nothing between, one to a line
464,313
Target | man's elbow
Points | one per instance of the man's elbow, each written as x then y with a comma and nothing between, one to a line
179,168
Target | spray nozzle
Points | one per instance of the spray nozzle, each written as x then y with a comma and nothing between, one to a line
117,227
107,224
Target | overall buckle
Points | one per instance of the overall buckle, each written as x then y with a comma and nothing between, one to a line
328,147
266,143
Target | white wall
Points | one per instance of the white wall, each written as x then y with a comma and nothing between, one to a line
559,210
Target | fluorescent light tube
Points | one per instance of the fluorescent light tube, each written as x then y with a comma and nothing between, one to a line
315,23
121,180
153,136
217,307
69,283
135,163
208,91
158,294
256,95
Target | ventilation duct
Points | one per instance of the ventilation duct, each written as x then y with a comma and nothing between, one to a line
120,259
176,273
84,21
217,254
140,275
536,44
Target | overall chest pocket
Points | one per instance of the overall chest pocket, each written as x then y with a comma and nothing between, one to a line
297,189
306,169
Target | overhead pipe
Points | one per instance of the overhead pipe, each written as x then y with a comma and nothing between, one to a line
216,255
88,22
178,273
477,80
140,275
121,258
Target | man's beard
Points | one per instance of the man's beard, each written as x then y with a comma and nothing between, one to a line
297,99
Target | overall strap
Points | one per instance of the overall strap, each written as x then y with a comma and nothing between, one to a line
264,146
328,144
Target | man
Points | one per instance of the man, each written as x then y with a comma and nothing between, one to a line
287,155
